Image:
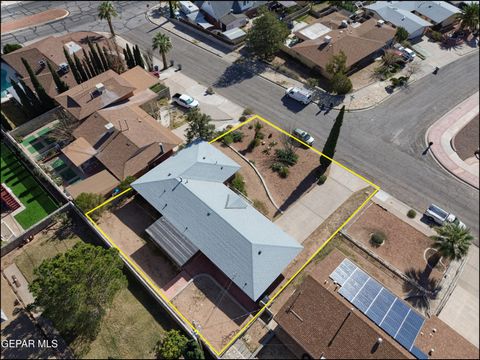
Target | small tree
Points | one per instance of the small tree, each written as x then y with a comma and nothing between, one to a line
267,35
193,351
452,242
125,183
171,346
60,84
162,43
75,288
238,183
337,64
199,126
469,17
72,66
106,11
341,84
8,48
331,143
88,201
401,34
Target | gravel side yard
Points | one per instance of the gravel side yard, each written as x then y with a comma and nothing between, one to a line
466,141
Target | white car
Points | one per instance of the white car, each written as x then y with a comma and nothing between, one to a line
303,136
302,95
441,217
407,53
185,101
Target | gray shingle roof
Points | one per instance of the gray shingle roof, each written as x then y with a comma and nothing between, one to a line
188,190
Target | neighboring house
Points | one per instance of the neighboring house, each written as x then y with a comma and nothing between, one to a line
200,213
95,94
315,45
51,49
315,324
226,15
415,16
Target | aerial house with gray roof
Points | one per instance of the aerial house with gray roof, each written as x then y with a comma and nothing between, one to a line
200,213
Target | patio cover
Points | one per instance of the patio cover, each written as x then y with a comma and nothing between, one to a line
234,34
101,183
79,151
198,18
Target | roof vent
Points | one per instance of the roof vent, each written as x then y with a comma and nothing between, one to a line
344,24
42,63
327,39
100,88
380,23
109,127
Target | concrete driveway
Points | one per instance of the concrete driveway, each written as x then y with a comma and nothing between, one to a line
312,209
462,308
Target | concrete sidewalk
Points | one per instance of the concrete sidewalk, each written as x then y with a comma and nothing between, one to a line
441,134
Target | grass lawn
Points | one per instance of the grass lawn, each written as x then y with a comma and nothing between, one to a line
38,204
131,327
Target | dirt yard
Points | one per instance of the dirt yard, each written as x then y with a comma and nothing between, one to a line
213,311
126,226
302,176
254,187
466,141
404,247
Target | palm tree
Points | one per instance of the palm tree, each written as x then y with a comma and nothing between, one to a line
469,16
106,11
163,44
452,242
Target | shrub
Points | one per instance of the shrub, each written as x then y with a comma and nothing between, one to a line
253,144
258,126
341,84
125,183
238,183
411,213
322,179
260,206
247,111
259,135
276,166
312,83
266,151
273,143
378,238
8,48
283,172
286,156
436,36
227,139
210,91
242,119
237,136
250,126
88,201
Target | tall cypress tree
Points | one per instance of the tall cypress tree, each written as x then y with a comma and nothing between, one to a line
102,57
32,97
96,62
331,143
61,85
138,57
97,70
45,99
80,68
27,106
131,59
90,68
107,57
87,69
72,66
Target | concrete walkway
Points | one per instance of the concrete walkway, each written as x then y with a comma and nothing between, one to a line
22,289
462,309
441,134
312,209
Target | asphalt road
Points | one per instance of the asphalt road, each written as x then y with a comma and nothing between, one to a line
384,144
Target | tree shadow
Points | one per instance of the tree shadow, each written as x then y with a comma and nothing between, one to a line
242,69
421,289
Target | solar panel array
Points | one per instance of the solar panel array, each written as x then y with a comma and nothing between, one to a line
386,310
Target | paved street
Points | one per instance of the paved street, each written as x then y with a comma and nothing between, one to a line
384,144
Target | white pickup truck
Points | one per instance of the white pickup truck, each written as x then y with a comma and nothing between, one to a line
441,217
185,101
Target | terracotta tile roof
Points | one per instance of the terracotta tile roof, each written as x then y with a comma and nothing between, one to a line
139,78
325,326
133,143
357,43
82,100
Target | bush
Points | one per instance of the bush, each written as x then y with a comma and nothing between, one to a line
227,139
276,166
260,206
247,111
286,156
242,118
253,144
238,183
341,84
411,213
436,36
378,238
401,81
237,136
258,126
312,83
8,48
87,201
125,183
259,135
210,91
283,172
322,179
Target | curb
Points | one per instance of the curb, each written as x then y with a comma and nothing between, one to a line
434,157
38,24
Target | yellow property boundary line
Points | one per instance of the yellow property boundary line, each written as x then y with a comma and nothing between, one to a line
246,326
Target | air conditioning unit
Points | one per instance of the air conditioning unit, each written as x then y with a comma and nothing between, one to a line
344,24
380,23
109,127
100,88
63,68
42,63
327,39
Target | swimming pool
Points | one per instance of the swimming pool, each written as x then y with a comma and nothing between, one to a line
6,73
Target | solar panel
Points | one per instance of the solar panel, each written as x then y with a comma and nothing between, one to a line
343,271
389,312
367,294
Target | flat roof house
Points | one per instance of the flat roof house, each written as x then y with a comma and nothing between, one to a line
415,16
319,42
200,213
